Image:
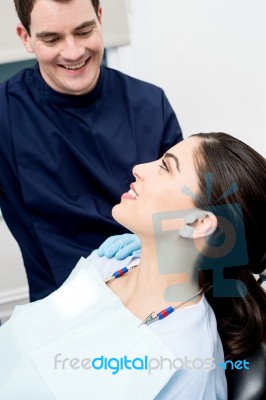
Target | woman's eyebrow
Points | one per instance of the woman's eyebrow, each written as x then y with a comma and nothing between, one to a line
170,155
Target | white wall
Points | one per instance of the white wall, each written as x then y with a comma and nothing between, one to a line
210,58
10,258
13,282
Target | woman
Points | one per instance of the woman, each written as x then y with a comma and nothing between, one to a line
199,213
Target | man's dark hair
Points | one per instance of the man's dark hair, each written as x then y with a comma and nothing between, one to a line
25,7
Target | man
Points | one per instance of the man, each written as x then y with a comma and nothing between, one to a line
70,133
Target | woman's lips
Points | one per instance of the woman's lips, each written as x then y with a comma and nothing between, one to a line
127,196
131,194
132,187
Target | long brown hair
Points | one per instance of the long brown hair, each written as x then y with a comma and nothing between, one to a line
232,176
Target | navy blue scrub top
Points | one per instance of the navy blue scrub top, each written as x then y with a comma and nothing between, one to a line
65,161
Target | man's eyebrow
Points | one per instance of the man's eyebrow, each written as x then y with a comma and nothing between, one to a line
170,155
87,24
44,34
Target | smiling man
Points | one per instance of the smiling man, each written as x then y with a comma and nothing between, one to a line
70,132
66,38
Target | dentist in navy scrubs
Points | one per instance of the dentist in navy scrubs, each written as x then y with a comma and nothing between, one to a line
70,132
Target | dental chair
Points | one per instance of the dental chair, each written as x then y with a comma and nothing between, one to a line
249,384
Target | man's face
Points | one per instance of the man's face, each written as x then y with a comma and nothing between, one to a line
67,41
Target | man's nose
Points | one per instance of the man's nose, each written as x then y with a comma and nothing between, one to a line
72,50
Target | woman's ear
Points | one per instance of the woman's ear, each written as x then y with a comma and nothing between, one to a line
25,38
204,224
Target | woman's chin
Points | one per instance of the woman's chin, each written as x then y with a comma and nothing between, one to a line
114,212
118,215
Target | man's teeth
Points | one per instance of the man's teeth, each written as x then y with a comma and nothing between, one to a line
77,66
133,194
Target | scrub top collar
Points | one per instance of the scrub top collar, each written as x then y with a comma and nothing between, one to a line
54,97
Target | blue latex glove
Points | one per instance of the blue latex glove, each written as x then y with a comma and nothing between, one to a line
120,246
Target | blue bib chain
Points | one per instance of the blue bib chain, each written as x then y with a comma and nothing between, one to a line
119,273
153,316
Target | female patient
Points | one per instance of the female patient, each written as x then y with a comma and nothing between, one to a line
152,333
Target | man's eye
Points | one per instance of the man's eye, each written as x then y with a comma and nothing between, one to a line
51,41
85,34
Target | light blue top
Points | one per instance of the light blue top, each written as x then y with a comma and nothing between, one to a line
72,322
191,334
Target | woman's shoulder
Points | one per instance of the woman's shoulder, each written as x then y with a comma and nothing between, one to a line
207,385
191,334
191,331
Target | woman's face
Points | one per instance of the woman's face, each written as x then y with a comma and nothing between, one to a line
158,188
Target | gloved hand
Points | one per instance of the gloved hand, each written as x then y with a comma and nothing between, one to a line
120,246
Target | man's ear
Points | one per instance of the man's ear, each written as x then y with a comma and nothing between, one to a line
25,38
100,14
205,224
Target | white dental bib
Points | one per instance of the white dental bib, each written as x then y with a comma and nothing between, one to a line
48,346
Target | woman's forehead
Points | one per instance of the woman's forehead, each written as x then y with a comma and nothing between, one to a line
185,148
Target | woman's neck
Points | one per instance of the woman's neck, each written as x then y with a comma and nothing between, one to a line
167,269
160,280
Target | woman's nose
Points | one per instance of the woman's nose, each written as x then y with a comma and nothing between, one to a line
142,171
138,171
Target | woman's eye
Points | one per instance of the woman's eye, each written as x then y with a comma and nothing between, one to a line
164,166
